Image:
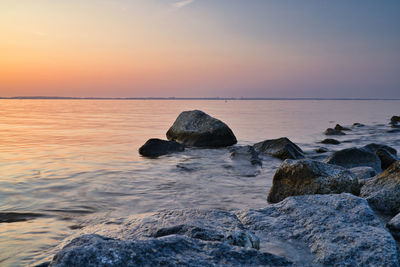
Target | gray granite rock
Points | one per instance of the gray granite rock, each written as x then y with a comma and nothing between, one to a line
355,157
157,147
305,177
383,191
338,230
198,129
281,148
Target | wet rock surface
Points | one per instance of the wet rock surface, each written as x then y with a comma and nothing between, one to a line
331,131
281,148
157,147
354,157
383,191
304,177
321,150
338,230
330,141
245,153
339,127
198,129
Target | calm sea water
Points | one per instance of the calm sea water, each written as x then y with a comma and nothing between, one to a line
76,162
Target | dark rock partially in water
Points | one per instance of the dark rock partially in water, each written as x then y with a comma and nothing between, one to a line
281,148
386,158
339,127
394,131
373,147
354,157
331,131
395,119
338,230
308,177
157,147
321,150
330,141
357,124
383,191
10,217
245,153
198,129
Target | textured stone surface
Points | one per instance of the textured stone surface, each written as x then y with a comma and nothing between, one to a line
157,147
331,131
354,157
281,148
245,153
330,141
304,177
339,230
362,173
383,191
394,226
198,129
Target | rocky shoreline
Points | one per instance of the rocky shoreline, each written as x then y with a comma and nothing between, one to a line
342,210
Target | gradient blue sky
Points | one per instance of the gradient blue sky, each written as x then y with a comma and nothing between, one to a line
200,48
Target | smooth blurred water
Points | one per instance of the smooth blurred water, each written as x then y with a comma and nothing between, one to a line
76,161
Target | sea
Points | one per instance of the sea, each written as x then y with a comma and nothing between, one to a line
73,163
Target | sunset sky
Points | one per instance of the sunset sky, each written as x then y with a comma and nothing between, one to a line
200,48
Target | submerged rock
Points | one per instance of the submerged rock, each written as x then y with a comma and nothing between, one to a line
330,141
157,147
198,129
321,150
383,191
308,177
339,127
331,131
354,157
281,148
245,153
338,230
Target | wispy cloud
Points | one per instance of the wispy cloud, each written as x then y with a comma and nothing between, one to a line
182,3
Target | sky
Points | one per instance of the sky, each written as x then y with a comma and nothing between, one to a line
200,48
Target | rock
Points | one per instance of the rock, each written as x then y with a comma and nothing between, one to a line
281,148
394,226
362,173
394,131
339,127
374,147
321,150
190,237
331,131
198,129
330,141
338,230
383,191
357,124
173,250
386,158
245,153
354,157
395,119
10,217
157,147
307,177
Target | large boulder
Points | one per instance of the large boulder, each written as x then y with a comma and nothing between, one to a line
337,230
190,237
157,147
383,191
354,157
281,148
198,129
307,177
331,131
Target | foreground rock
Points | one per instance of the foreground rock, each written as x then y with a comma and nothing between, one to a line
246,154
307,177
394,226
330,141
355,157
362,173
281,148
387,159
383,191
395,119
339,127
157,147
338,230
331,131
181,237
198,129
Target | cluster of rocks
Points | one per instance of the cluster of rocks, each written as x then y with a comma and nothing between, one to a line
342,211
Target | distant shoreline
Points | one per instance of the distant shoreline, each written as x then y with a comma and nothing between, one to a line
186,98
